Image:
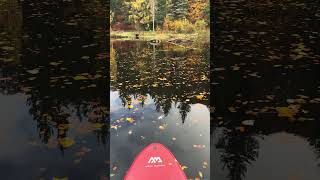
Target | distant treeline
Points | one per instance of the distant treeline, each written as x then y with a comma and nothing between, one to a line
182,16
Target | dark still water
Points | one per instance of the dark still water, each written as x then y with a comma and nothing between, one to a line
160,94
266,92
53,90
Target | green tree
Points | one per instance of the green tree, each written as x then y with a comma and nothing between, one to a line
177,9
161,11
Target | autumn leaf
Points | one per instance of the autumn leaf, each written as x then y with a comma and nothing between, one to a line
130,106
66,142
184,167
63,126
232,109
56,178
200,174
248,122
79,77
97,125
130,120
200,97
288,112
33,71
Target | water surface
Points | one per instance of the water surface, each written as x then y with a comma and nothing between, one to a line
53,90
160,93
266,90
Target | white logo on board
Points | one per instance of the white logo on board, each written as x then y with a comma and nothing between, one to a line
153,160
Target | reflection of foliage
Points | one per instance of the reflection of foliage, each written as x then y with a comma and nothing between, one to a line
184,110
167,76
48,67
314,140
238,151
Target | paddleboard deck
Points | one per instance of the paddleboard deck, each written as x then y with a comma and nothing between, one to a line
155,162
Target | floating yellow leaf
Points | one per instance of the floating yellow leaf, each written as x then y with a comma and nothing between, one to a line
63,178
79,77
63,126
184,167
200,97
66,142
288,112
114,127
162,127
130,106
97,125
130,120
200,174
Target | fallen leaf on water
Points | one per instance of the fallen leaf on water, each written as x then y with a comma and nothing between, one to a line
98,125
79,77
7,48
66,142
288,112
114,127
130,120
63,126
200,97
162,127
248,122
232,109
54,63
130,106
184,167
63,178
199,146
200,174
33,71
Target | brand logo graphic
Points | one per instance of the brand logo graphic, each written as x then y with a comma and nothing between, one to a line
153,160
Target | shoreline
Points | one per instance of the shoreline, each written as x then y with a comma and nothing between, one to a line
162,36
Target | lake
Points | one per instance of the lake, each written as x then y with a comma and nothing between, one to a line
53,90
266,91
160,93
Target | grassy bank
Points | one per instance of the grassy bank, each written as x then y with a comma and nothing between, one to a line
163,36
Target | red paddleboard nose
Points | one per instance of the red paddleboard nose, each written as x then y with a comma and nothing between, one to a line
155,162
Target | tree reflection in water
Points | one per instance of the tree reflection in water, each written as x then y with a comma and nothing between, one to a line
170,75
60,42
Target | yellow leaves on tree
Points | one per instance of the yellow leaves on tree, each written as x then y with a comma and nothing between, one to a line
196,9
